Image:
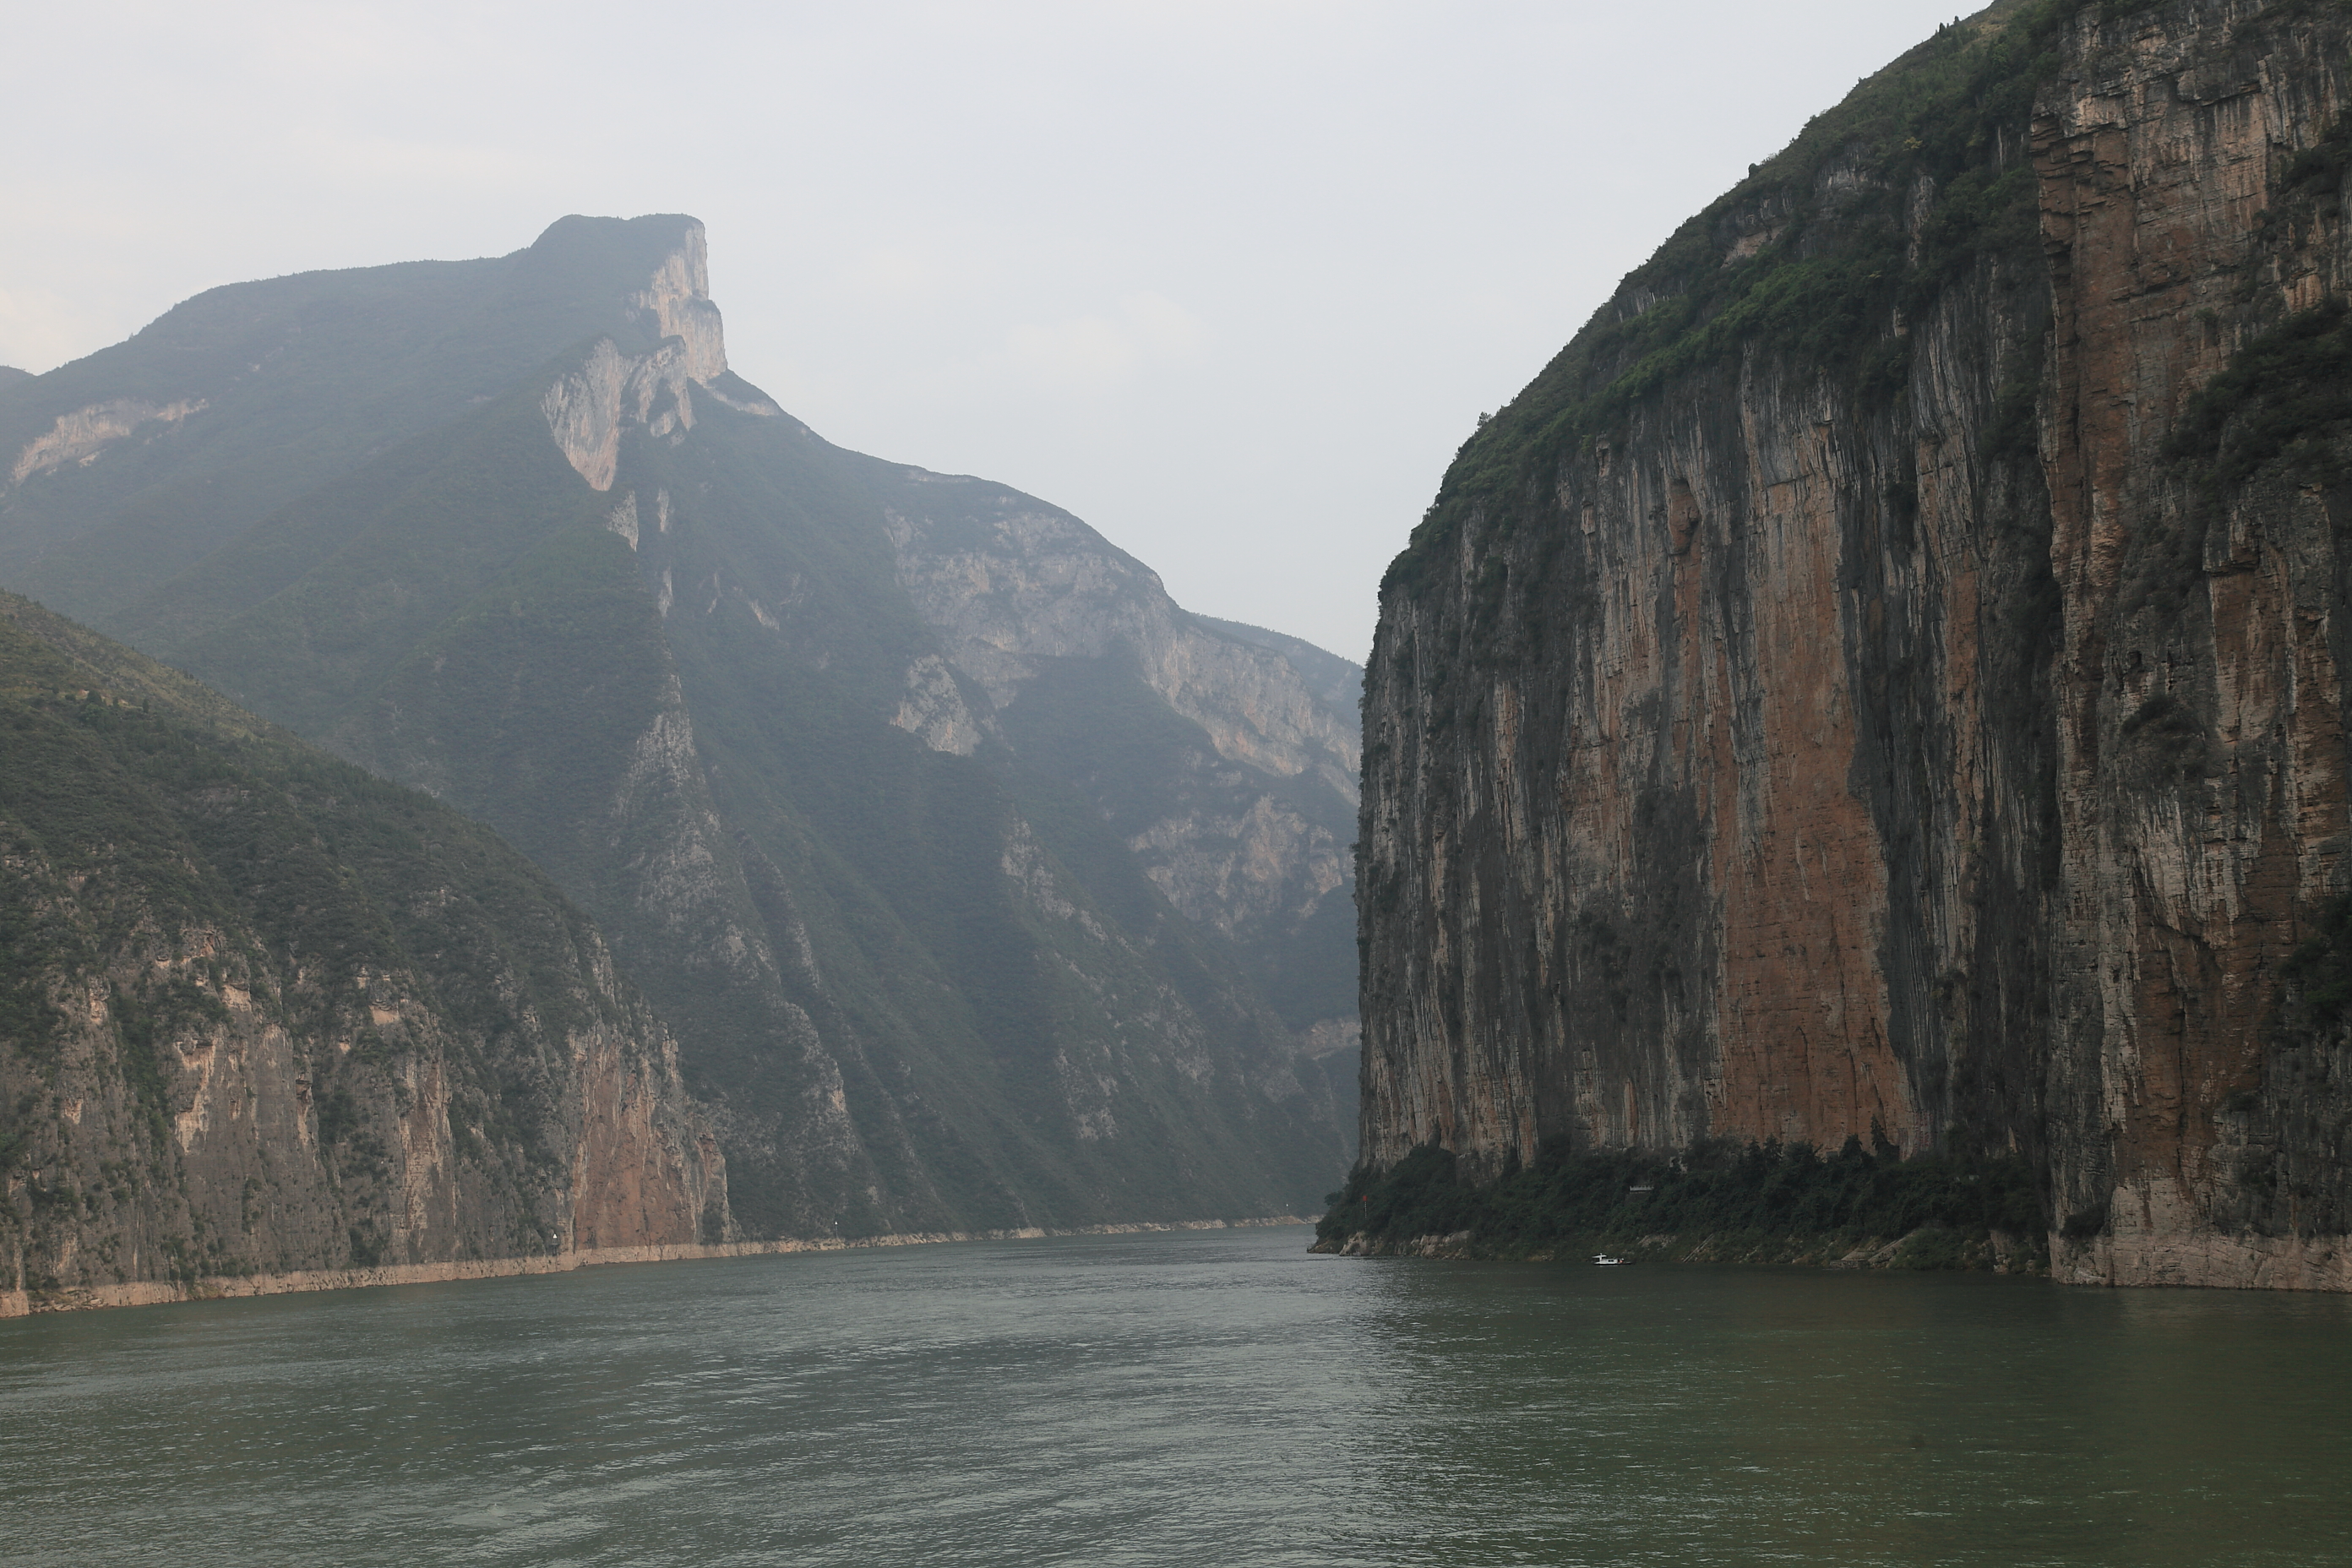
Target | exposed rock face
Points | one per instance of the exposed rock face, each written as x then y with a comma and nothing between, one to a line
676,303
934,710
983,887
1777,734
1012,587
1250,839
80,436
243,399
228,1052
2198,700
1339,682
587,407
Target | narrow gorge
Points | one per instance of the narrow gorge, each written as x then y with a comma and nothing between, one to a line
980,885
1883,679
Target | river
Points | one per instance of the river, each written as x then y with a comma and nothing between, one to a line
1187,1398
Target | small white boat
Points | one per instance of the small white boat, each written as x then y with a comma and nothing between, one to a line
1606,1261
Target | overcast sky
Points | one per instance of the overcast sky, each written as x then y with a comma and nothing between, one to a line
1231,281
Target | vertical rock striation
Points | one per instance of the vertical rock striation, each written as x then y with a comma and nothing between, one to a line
1883,676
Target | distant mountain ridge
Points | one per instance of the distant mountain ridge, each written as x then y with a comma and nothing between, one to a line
981,885
1337,682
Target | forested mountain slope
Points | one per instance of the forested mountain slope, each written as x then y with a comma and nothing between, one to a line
262,1013
980,884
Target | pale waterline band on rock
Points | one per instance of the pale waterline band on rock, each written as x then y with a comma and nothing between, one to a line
164,1292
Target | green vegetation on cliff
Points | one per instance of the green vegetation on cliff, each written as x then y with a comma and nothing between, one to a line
2285,395
1818,259
1768,1201
303,380
231,965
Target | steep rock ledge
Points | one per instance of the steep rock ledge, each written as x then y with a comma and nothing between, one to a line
1841,696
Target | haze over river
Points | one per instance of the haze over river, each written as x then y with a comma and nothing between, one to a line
1195,1398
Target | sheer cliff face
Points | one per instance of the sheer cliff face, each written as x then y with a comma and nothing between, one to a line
266,1017
2199,699
1776,733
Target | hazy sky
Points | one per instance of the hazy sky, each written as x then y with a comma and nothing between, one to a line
1231,281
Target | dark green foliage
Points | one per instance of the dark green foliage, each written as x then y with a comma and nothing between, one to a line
30,938
330,867
2165,741
2318,973
442,524
2010,432
366,1250
2318,169
339,1115
162,850
2085,1223
1762,1194
2285,394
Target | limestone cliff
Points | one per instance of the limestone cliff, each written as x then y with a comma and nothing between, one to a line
1884,675
261,1016
1245,830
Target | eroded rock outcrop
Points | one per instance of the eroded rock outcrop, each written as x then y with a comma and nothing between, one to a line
1245,835
1011,585
82,435
1883,678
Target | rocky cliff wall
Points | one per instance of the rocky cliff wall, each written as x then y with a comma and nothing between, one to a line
2199,698
261,1016
1881,677
1245,830
1012,585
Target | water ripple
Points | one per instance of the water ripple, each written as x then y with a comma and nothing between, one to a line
1200,1398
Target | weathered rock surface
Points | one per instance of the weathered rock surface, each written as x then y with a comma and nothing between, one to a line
263,1015
1881,711
1247,835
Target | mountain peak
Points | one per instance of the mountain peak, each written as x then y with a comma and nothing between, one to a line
614,244
587,407
661,261
616,383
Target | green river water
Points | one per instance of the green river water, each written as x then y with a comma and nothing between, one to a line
1195,1398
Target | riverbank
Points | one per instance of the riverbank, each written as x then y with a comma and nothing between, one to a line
1713,1202
1928,1247
21,1302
